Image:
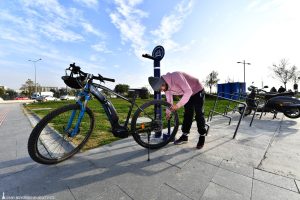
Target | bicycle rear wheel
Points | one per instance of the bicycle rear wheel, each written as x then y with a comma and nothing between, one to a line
148,130
56,137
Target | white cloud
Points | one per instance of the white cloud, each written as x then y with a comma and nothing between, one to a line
57,32
52,7
90,29
88,3
171,24
101,47
127,18
52,20
46,18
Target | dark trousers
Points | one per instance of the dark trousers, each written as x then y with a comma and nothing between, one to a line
194,105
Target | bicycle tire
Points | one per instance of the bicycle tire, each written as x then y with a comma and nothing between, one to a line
135,117
33,149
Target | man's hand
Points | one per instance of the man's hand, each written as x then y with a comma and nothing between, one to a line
174,108
168,115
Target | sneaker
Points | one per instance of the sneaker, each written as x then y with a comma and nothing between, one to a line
181,140
200,143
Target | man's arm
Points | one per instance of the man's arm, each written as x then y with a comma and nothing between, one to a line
169,98
187,91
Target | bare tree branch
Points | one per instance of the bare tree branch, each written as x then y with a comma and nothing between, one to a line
283,72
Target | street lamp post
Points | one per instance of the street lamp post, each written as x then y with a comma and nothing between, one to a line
34,63
244,63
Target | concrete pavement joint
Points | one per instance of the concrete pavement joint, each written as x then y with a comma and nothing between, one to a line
124,192
297,186
274,173
234,171
178,191
275,185
71,192
226,188
206,151
270,143
252,185
173,165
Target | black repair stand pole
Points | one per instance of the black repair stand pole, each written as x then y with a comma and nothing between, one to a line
157,55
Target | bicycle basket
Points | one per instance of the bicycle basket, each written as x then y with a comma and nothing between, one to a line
74,82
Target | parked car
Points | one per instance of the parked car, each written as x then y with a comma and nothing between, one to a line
67,97
46,98
21,98
38,94
1,99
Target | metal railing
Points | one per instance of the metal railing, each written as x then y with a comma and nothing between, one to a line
225,113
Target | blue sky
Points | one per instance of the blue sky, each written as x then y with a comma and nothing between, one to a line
109,36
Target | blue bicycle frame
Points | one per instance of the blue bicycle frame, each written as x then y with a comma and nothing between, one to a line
87,97
91,88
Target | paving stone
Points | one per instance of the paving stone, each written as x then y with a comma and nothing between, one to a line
263,191
274,179
216,192
26,177
193,179
210,158
168,193
180,155
142,180
238,168
233,181
112,192
45,190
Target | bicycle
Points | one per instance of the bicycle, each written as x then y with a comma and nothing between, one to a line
64,131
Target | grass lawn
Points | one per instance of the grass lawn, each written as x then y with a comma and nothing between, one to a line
101,134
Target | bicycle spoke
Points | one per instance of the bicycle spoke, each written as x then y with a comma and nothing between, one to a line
54,140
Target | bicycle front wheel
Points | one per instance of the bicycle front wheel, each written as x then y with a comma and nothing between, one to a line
60,134
150,127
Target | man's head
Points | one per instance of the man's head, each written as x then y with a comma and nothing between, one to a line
158,84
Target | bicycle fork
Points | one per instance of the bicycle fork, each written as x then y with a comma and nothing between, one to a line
76,129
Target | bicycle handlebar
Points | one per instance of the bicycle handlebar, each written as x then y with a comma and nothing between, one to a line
76,70
101,78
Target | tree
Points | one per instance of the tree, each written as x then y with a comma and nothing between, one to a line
55,93
121,88
144,93
2,91
296,77
62,91
106,93
28,87
10,94
211,80
131,93
283,72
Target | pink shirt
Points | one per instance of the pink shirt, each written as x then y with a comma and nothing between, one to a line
180,83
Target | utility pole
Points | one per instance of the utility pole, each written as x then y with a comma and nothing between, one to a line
34,64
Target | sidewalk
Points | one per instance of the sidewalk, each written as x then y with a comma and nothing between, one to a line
261,163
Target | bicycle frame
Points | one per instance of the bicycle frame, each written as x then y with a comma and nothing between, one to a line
117,129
